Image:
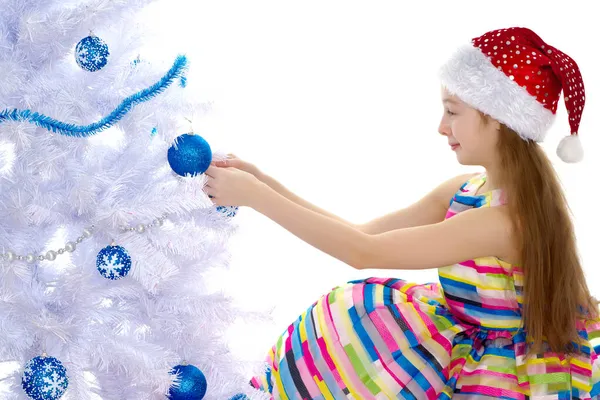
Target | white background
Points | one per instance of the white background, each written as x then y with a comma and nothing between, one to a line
340,102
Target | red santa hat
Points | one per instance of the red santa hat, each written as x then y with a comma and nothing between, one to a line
516,78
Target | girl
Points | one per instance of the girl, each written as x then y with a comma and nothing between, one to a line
512,316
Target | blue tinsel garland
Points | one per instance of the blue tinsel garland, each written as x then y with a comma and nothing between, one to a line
177,71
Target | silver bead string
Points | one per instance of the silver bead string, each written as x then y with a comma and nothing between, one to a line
71,246
141,228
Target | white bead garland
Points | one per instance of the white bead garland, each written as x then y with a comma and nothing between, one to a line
141,228
70,247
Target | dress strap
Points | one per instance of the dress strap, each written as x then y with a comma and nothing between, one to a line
470,189
471,186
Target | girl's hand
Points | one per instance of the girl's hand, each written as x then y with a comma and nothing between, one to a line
230,186
236,162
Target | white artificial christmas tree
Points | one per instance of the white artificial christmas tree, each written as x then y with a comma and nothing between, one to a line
104,247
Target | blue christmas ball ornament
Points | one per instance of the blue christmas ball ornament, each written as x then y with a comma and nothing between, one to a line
91,53
228,211
44,378
239,396
113,262
190,155
192,383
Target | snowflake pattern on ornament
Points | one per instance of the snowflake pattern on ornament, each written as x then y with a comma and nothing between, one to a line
91,53
113,262
228,211
44,378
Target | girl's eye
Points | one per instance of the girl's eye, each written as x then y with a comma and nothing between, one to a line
450,112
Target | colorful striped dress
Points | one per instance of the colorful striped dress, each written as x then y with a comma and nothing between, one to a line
461,338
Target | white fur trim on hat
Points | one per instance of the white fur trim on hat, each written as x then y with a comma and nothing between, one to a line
470,75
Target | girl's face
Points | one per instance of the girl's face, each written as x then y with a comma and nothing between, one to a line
468,135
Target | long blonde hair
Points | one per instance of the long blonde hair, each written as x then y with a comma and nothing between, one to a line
555,286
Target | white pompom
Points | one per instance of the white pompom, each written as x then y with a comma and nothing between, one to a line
570,149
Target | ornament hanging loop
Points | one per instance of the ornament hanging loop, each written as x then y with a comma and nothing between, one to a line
191,124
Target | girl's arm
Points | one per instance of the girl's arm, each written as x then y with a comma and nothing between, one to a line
479,232
285,192
470,234
430,209
234,161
